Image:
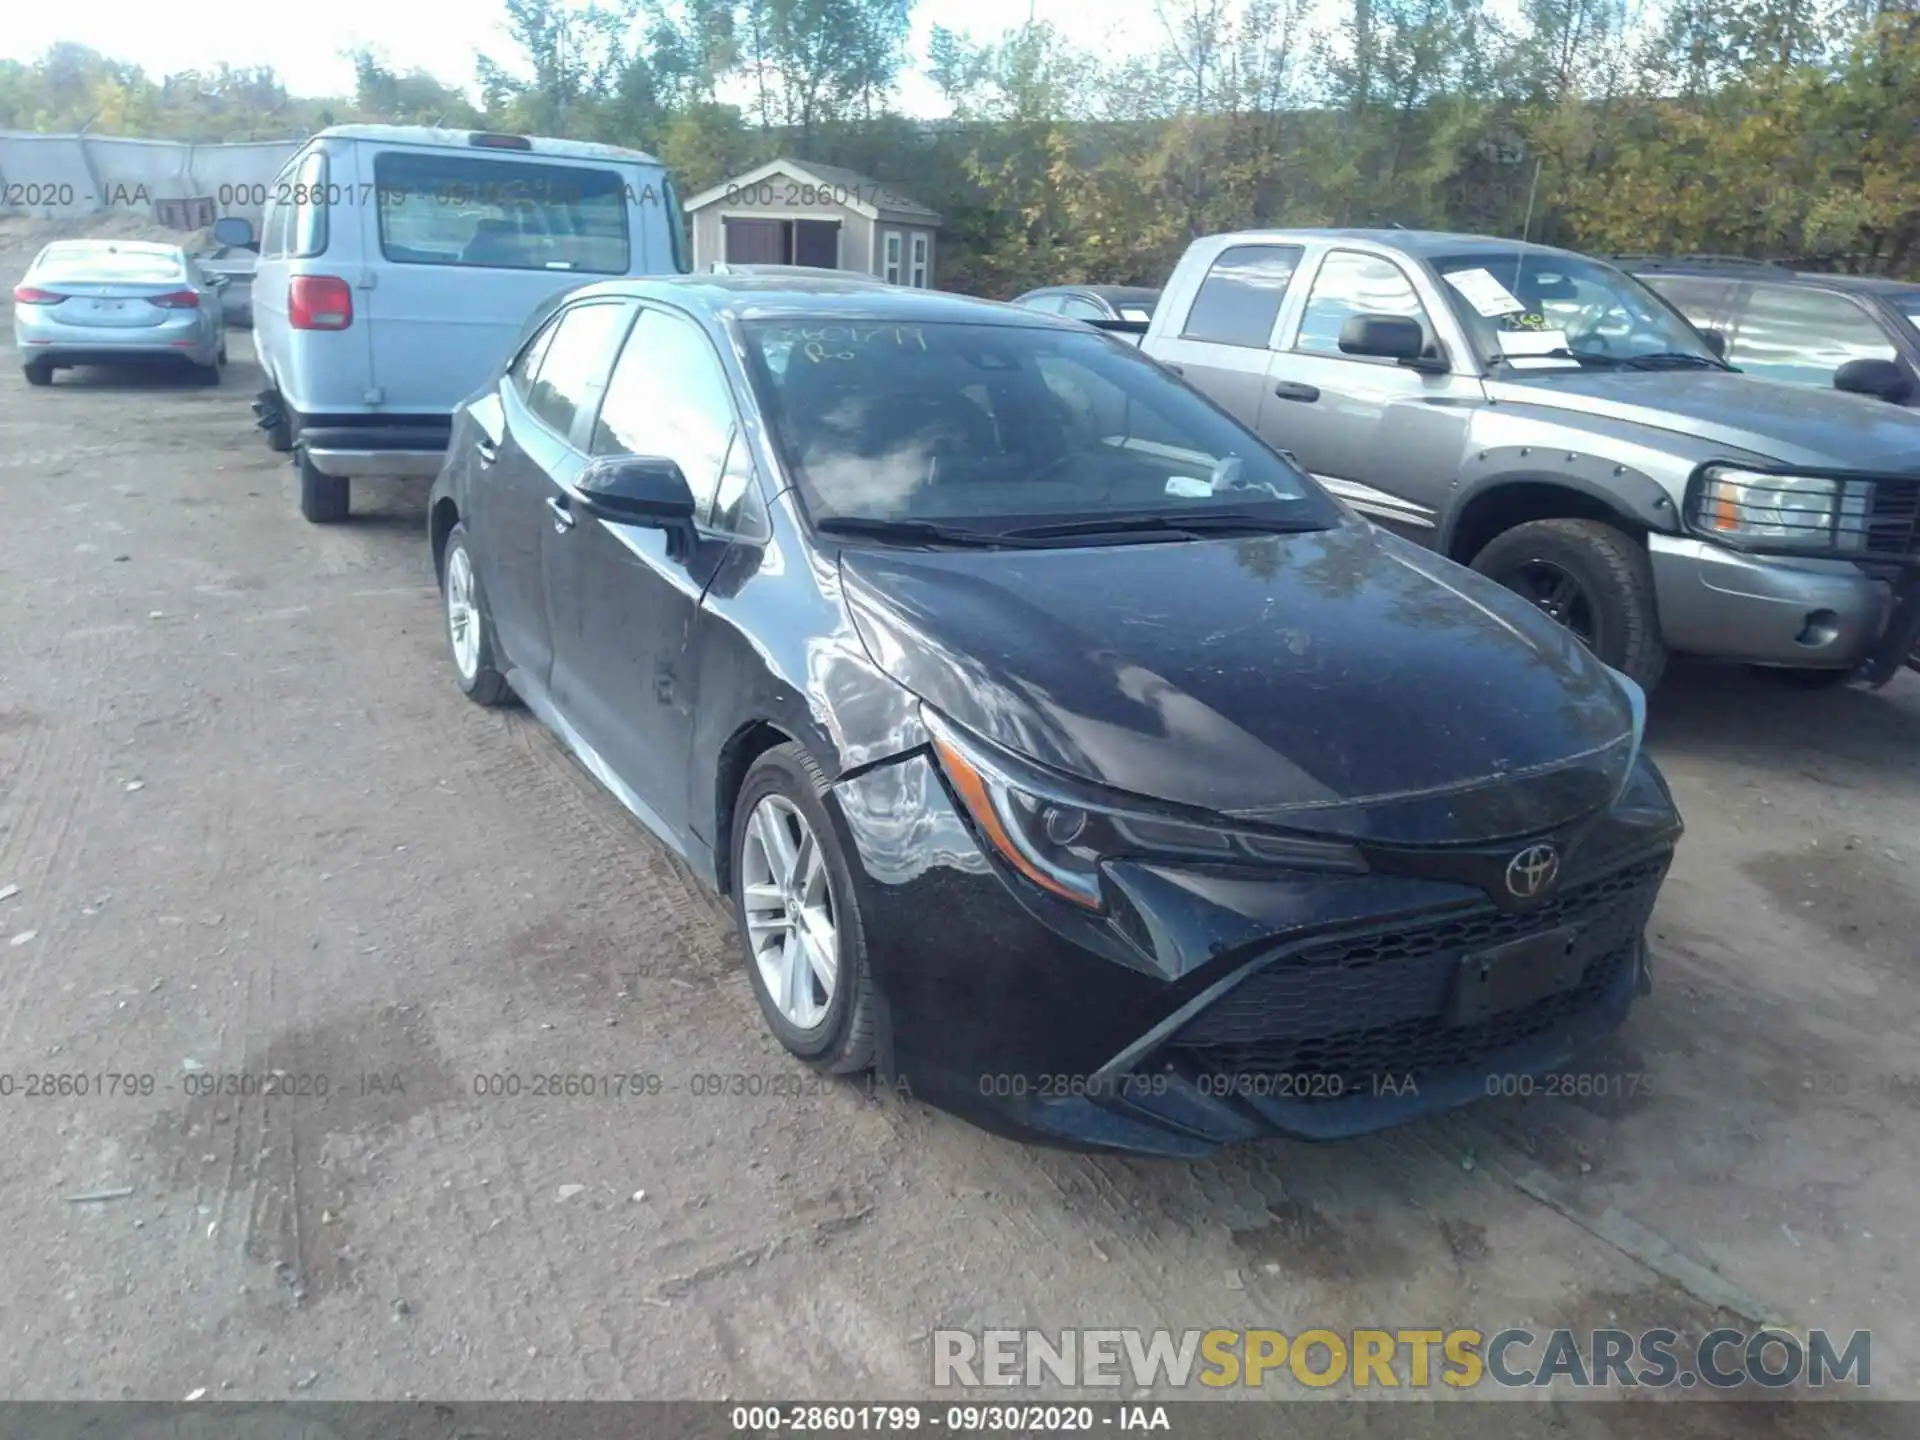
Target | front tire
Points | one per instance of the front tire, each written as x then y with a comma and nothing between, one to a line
1591,578
798,910
324,499
469,625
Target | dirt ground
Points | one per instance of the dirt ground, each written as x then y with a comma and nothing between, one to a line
255,828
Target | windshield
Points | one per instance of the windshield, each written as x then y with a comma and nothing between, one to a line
959,423
1528,310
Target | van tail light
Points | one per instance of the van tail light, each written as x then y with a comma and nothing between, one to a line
33,295
176,300
319,302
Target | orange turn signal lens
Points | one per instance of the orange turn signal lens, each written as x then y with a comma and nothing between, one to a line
977,795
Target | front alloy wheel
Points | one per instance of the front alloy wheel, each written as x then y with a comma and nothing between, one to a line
789,910
799,915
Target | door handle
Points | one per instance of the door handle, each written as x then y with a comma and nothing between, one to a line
1294,390
562,516
484,448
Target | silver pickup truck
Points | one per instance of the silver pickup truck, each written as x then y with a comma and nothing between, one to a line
1553,423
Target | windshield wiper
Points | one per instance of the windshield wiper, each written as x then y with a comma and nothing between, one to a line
1661,359
1583,356
922,532
1191,525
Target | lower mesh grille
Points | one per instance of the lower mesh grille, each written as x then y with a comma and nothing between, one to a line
1342,1013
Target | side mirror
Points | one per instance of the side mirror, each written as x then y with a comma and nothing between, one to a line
1390,337
1883,379
235,231
1716,342
637,490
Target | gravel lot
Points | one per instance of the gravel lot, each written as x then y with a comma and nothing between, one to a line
254,827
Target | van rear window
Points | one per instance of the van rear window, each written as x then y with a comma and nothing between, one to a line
500,214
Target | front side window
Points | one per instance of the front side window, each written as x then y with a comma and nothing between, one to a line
668,395
1351,283
575,358
1704,302
1530,309
500,214
968,422
1239,299
1800,335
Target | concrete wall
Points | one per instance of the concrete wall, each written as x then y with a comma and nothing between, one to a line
71,175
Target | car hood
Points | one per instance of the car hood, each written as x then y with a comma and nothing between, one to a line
1792,424
1344,682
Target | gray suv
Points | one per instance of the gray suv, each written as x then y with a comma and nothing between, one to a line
1553,423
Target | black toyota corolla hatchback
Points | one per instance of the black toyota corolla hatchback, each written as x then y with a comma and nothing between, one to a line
1068,757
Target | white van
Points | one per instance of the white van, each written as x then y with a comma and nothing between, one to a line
397,264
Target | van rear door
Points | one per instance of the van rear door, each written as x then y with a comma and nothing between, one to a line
463,246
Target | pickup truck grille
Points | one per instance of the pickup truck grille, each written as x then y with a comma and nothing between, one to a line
1866,518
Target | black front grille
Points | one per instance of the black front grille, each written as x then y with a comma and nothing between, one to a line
1359,1007
1893,519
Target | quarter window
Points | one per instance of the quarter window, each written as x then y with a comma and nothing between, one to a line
574,359
1351,283
308,236
668,395
1239,299
1077,309
1803,335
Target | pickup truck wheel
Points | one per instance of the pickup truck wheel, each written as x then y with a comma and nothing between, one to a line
1591,578
324,499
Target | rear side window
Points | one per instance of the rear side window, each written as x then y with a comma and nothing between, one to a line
1803,336
500,214
575,359
310,199
279,220
1240,298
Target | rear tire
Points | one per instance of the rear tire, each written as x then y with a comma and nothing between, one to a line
786,788
324,499
1613,578
280,433
38,372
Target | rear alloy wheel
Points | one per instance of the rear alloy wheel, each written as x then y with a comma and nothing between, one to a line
469,627
1592,579
794,899
324,499
38,372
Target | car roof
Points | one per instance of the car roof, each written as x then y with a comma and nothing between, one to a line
1413,242
1734,267
796,296
442,139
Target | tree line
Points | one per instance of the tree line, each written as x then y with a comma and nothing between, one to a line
1769,128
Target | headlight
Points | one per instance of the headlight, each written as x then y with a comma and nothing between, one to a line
1745,504
1637,705
1056,833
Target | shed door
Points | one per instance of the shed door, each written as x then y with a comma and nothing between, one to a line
817,242
754,242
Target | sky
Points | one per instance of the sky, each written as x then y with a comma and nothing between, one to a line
443,38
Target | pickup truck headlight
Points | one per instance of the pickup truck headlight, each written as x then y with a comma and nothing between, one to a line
1057,834
1823,514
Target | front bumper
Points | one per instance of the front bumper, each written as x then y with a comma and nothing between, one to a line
1207,1007
1769,610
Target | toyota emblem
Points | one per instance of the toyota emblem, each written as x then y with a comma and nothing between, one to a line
1532,871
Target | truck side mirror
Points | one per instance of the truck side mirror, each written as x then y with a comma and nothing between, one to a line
236,232
1716,342
1883,379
